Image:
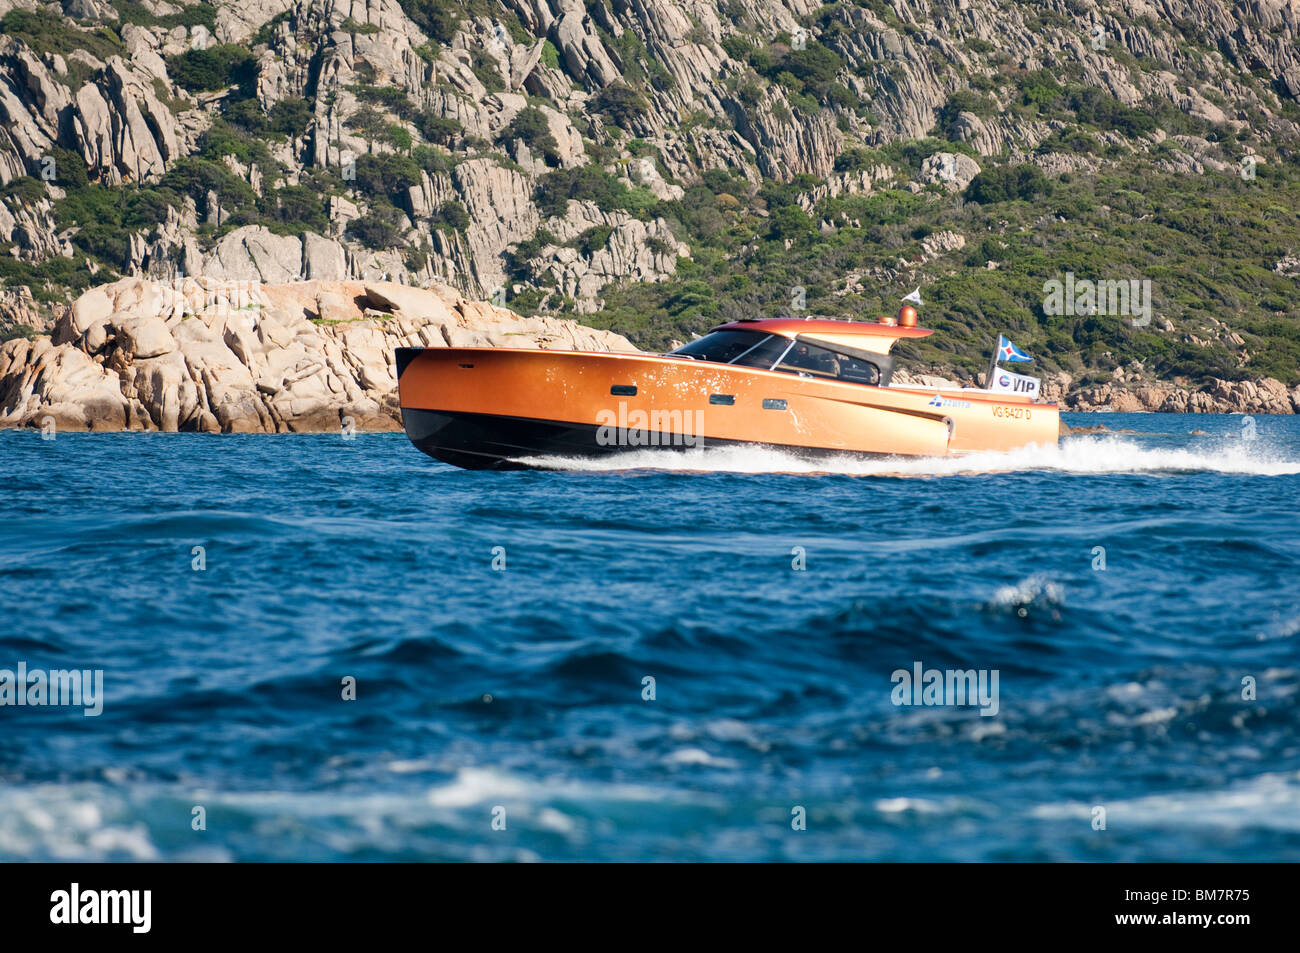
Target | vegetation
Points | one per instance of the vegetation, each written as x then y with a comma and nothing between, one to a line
1206,242
1007,183
380,228
1207,251
47,32
530,126
555,189
207,69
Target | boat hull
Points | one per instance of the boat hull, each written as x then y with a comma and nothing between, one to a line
502,408
488,442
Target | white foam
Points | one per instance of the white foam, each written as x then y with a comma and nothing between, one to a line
1077,455
63,823
1270,801
1028,591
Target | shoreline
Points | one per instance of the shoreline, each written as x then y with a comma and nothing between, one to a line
318,357
1066,430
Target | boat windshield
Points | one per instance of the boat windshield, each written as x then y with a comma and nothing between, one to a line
777,353
723,347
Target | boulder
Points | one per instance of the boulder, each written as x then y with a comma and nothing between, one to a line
146,337
206,355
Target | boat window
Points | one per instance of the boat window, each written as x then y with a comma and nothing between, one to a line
756,349
808,360
721,346
856,371
765,353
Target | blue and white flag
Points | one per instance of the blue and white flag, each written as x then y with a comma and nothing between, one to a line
1010,353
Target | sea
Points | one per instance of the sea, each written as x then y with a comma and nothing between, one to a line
331,647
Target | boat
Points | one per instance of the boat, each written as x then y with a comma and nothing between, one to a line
814,387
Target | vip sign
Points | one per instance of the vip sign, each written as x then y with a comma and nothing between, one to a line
1018,384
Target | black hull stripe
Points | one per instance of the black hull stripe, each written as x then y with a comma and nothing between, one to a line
496,442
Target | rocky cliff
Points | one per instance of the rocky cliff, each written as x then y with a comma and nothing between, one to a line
211,356
658,165
200,354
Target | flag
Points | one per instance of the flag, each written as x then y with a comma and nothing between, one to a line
915,297
1010,353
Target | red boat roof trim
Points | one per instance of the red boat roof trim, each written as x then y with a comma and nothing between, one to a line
790,327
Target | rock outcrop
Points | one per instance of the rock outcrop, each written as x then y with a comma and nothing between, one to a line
550,147
247,357
1265,396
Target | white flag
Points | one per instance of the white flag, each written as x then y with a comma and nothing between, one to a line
1018,384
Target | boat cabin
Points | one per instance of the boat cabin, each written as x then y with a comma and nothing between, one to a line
849,351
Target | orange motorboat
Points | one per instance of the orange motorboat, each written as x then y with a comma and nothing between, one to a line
813,387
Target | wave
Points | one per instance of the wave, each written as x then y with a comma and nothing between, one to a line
1268,801
1084,455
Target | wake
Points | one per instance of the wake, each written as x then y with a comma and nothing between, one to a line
1085,455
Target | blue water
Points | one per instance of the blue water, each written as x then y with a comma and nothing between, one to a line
479,689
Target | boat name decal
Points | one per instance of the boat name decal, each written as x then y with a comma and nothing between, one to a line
1015,413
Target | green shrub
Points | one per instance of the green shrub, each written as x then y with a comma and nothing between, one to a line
267,31
435,128
106,242
1039,88
380,228
195,177
214,68
47,32
350,25
965,101
223,139
487,70
25,190
440,19
247,115
1007,183
387,174
531,126
397,136
368,122
431,160
291,117
452,215
298,207
11,331
196,14
738,47
1099,108
70,170
554,189
815,65
790,221
593,239
146,208
621,104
